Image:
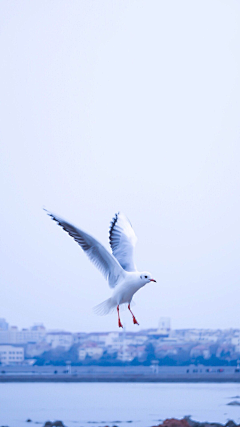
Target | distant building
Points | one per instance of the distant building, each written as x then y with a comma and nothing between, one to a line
111,338
60,339
38,327
10,355
98,336
3,325
164,326
14,336
201,350
166,350
36,349
90,349
79,337
224,350
82,353
236,342
127,353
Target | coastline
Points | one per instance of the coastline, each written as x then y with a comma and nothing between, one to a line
129,374
168,422
114,377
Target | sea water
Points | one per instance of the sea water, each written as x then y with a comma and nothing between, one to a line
116,404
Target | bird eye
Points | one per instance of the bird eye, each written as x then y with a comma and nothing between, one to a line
145,277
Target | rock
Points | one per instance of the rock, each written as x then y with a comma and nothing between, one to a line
230,423
193,423
234,403
187,422
54,424
173,422
212,425
28,420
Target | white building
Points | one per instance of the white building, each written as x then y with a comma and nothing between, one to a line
11,355
236,342
90,349
111,338
14,336
60,339
202,335
164,326
127,353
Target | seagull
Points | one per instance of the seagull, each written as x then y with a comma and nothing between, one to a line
118,267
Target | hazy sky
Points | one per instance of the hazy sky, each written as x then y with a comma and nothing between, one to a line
120,105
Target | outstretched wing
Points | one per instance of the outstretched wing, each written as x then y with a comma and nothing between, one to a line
101,258
122,241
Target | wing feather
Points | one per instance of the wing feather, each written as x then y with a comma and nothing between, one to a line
122,241
106,263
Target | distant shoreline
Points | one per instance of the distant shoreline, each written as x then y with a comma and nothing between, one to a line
210,378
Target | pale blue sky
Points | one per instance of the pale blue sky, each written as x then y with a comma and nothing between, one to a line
120,105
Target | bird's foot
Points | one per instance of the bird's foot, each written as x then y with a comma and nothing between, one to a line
135,321
120,323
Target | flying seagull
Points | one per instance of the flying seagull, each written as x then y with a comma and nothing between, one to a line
118,268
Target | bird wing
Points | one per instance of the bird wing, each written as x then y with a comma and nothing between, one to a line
122,241
100,257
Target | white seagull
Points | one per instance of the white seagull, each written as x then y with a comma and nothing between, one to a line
118,268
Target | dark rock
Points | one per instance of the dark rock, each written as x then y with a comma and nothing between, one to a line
204,424
234,403
54,424
230,423
28,420
193,423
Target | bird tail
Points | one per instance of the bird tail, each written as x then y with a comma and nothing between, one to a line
105,307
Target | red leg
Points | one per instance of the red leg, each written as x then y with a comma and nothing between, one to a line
134,318
119,321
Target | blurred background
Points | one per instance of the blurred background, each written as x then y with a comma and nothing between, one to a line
130,106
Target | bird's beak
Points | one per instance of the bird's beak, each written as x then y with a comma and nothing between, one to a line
152,280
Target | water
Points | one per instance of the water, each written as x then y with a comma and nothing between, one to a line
101,404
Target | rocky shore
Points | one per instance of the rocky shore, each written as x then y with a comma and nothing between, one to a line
169,422
188,422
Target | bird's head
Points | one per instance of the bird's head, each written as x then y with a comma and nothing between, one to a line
146,277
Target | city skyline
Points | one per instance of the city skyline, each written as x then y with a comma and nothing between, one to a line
163,345
164,323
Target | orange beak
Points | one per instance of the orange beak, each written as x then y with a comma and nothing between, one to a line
152,280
